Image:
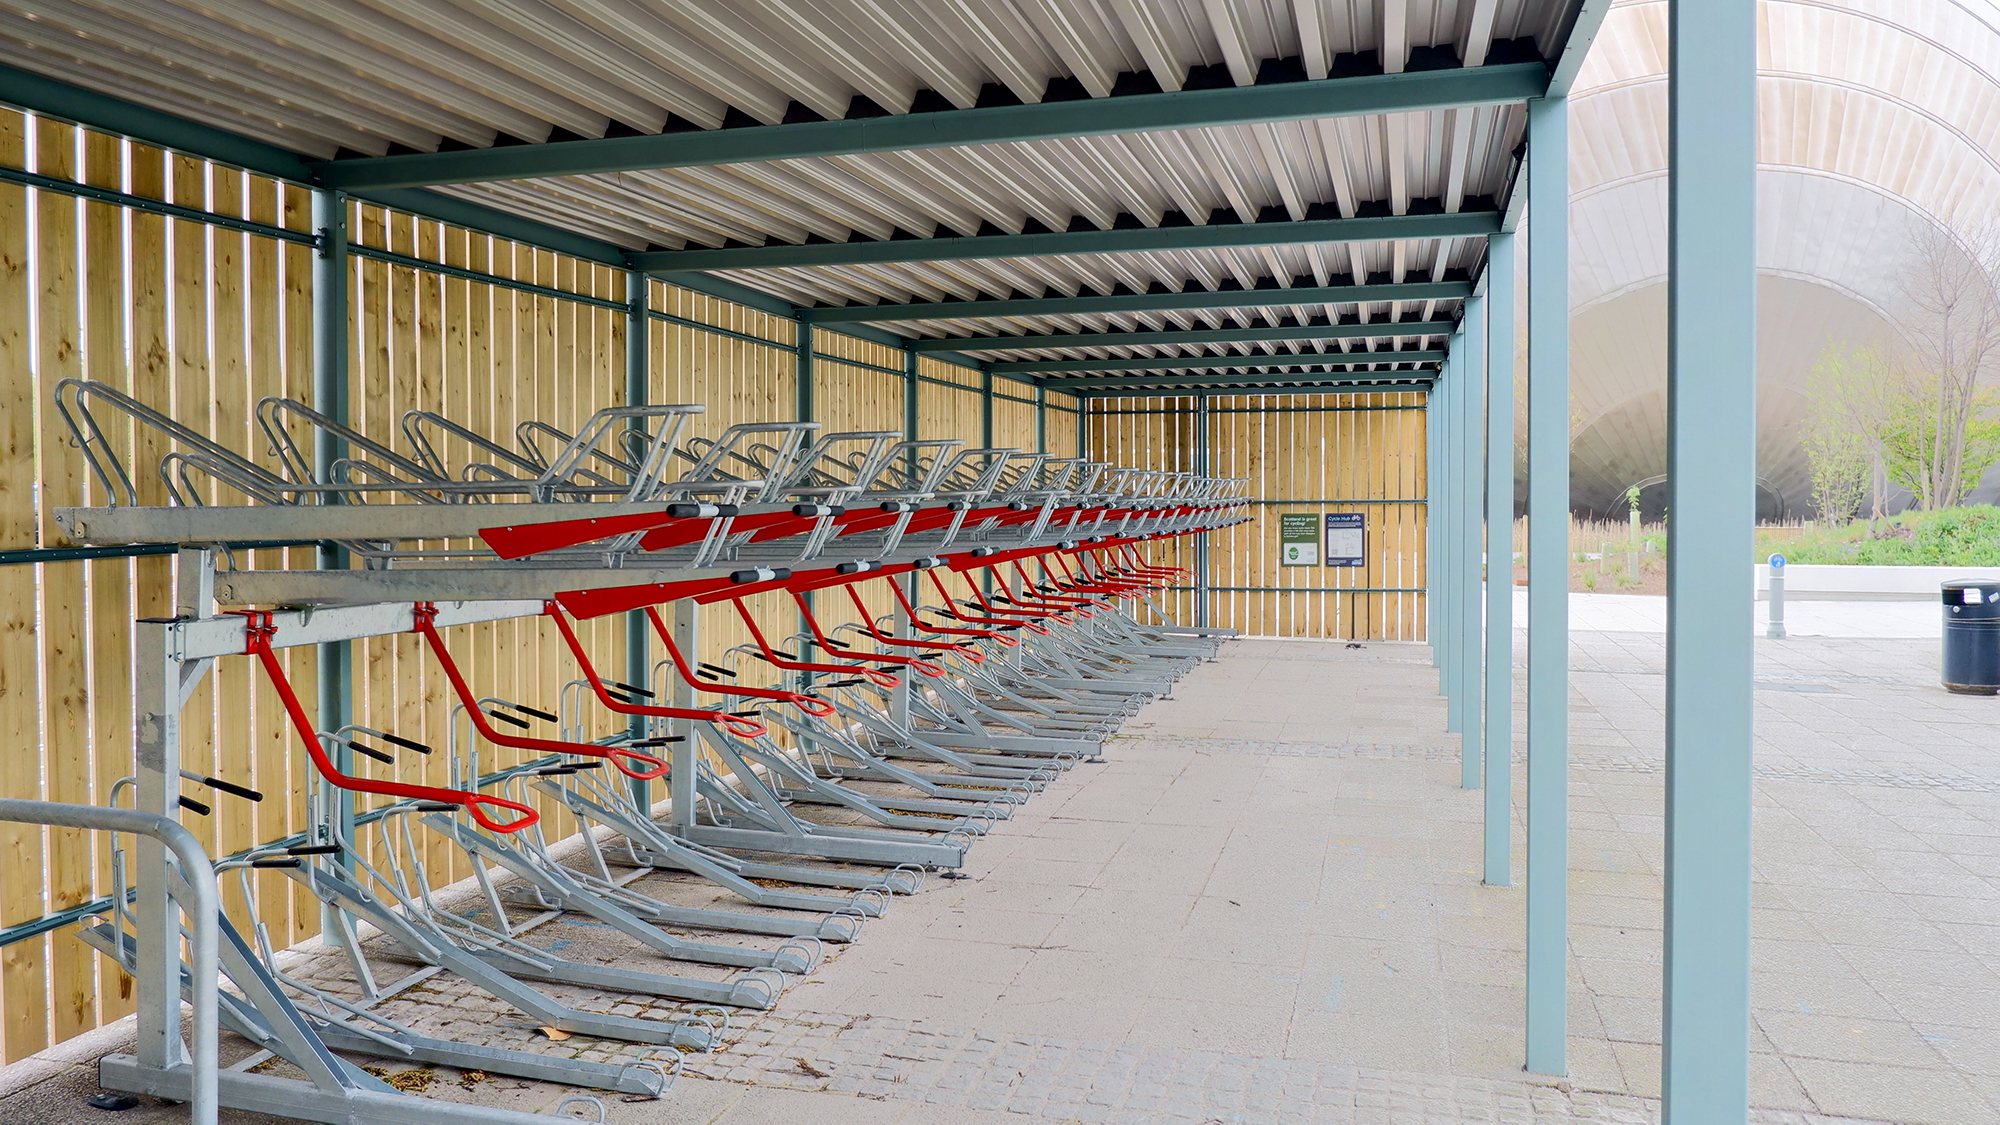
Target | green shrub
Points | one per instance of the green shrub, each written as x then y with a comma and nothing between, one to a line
1965,536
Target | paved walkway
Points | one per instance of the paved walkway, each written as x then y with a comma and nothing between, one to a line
1265,907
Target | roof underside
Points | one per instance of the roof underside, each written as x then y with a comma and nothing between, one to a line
349,80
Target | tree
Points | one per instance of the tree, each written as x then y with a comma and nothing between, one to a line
1852,396
1953,313
1911,440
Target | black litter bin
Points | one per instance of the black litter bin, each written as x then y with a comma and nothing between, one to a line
1972,636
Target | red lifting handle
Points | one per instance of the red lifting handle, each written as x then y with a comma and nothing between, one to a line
873,675
260,630
426,617
867,624
740,725
806,703
923,666
946,630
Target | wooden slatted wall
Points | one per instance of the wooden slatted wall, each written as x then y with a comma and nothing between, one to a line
203,322
1306,454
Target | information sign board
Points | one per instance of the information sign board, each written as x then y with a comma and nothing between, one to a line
1346,539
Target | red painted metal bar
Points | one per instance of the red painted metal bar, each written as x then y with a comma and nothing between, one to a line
259,633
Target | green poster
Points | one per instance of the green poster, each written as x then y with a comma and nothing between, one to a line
1298,539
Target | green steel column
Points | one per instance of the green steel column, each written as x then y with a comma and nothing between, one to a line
1201,577
1447,515
1711,464
910,386
986,442
1082,426
1041,418
1548,585
1470,353
1499,716
330,389
638,352
1432,616
802,385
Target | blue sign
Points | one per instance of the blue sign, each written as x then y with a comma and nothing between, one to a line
1346,539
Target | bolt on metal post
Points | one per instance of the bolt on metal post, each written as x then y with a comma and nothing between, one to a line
1774,629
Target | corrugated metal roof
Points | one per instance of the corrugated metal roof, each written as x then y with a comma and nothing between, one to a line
330,78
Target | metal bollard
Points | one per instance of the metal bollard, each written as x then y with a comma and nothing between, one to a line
1775,629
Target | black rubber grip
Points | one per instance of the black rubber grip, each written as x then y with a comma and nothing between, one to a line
642,693
538,713
844,683
664,741
314,849
716,670
708,675
616,697
436,806
750,714
579,766
233,790
275,862
930,656
406,743
506,718
555,771
194,806
370,751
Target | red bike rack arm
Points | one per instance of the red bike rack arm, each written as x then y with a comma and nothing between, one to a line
952,608
923,666
804,703
740,725
874,675
258,644
426,626
867,625
946,630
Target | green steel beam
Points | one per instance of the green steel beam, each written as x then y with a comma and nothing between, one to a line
51,97
1210,362
1319,374
1587,20
958,248
1139,113
1144,302
1379,330
1340,387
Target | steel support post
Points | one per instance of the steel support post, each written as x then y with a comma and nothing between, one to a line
638,389
1041,418
1471,371
1711,464
911,386
1432,506
330,281
157,762
986,442
802,383
1499,710
1548,585
1082,426
685,625
1201,577
1447,515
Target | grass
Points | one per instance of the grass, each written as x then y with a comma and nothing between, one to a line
1968,536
